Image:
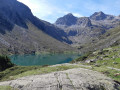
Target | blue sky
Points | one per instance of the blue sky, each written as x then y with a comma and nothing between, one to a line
50,10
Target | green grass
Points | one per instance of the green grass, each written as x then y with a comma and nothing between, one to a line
109,72
19,71
6,88
81,58
109,57
111,63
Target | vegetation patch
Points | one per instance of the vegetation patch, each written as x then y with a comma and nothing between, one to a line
81,58
7,88
5,63
22,71
106,61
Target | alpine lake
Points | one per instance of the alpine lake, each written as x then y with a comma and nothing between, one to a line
42,59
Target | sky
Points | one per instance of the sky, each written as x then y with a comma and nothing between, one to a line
51,10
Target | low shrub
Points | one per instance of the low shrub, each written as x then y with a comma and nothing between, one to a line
5,63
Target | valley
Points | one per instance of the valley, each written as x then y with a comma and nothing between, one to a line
73,53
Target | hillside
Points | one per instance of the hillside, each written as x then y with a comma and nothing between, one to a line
22,32
106,61
110,38
24,41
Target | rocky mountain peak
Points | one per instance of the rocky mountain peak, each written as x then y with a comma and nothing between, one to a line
98,16
99,13
69,15
67,20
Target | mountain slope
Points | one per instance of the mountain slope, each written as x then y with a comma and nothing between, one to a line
110,38
16,13
22,32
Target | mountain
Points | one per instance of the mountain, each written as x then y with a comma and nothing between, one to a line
22,32
15,13
101,16
85,30
70,20
67,20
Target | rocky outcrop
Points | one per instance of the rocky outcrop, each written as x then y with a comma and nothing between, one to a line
84,22
73,79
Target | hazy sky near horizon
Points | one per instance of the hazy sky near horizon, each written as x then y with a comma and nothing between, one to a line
50,10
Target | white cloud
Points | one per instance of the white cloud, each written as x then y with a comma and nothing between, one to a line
40,8
77,15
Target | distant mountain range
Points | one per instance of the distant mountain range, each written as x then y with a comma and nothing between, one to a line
22,32
84,30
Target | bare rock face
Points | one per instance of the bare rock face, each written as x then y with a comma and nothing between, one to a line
73,79
98,16
101,16
84,22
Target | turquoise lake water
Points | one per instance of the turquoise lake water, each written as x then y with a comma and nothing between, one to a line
43,59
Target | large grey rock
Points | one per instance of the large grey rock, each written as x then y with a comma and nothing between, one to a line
73,79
